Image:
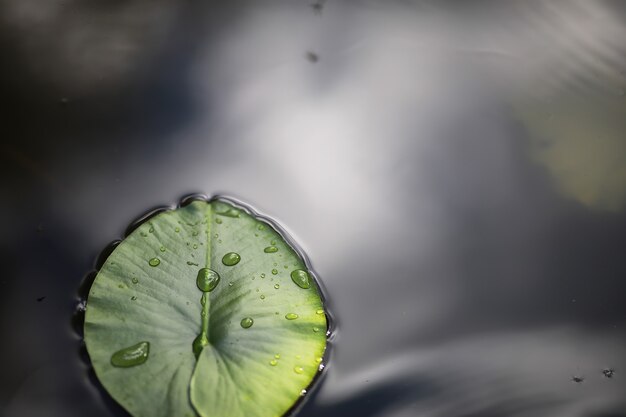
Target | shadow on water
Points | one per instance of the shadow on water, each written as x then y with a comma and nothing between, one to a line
376,400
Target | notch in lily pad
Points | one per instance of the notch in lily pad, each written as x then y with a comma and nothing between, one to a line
189,345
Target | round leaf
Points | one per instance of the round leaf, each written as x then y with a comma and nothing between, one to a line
205,310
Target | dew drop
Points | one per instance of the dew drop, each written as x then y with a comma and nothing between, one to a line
319,312
195,246
162,248
318,360
270,249
230,212
218,221
273,362
261,227
230,284
177,230
277,286
273,242
262,297
274,271
301,278
316,329
133,298
298,369
262,275
131,356
291,316
194,233
134,280
207,279
277,356
247,322
199,343
154,262
231,258
151,230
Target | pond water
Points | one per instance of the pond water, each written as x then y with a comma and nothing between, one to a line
456,173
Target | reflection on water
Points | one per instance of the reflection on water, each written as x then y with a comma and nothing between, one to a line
455,172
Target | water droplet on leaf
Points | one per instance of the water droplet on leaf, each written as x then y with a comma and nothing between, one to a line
247,322
231,258
301,278
207,279
154,262
131,356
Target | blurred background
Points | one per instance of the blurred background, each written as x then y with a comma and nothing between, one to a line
456,171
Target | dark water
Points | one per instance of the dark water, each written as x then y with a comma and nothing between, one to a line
456,173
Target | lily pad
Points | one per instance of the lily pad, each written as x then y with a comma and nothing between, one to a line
192,315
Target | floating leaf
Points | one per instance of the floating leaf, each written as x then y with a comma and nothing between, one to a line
192,315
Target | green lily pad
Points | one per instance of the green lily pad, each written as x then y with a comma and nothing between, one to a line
192,314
